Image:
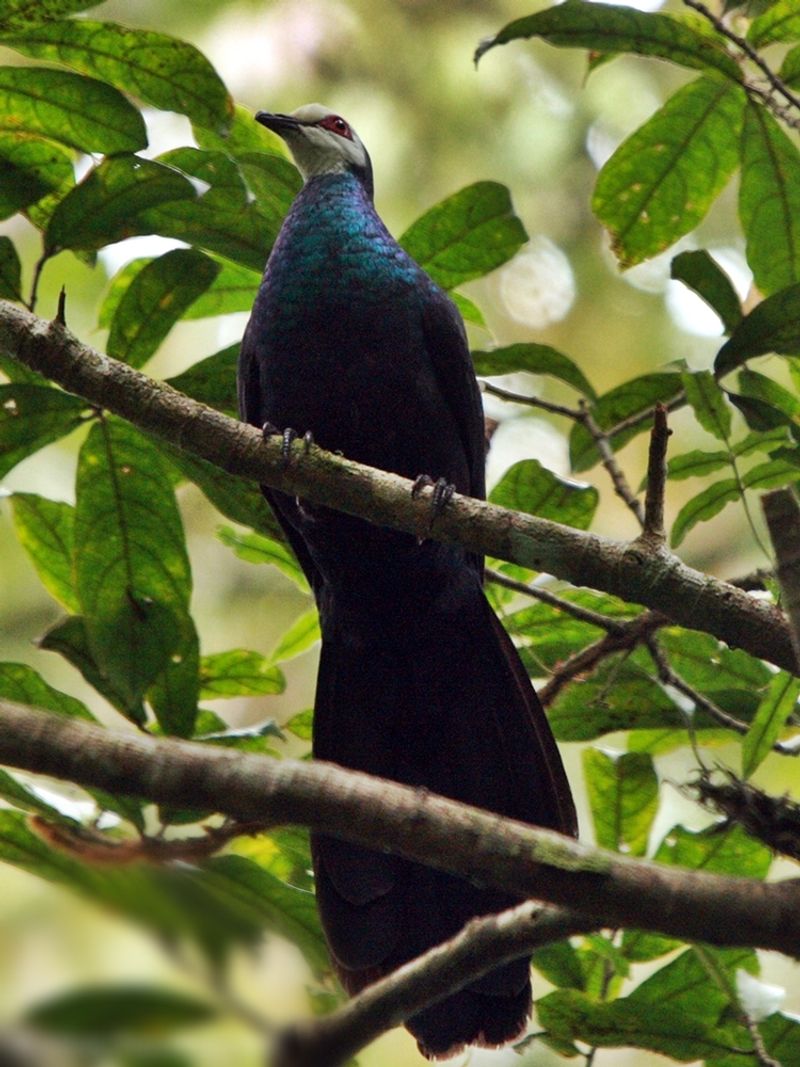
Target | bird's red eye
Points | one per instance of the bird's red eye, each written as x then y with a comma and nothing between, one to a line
336,125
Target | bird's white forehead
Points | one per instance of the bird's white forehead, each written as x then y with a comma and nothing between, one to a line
311,112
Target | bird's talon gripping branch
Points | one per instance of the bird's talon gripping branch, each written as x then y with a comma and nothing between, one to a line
441,496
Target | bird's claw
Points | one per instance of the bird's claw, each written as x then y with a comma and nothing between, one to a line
440,497
287,436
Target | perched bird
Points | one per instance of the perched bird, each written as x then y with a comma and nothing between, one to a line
418,682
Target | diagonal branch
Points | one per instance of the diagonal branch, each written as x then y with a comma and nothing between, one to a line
638,572
604,887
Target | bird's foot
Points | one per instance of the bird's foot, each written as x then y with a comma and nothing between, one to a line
441,496
287,437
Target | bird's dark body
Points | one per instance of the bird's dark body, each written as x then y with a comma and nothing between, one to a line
418,682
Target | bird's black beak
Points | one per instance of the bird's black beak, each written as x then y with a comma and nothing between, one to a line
280,124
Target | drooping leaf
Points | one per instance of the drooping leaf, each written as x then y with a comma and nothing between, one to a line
609,28
20,682
165,72
769,201
32,416
534,358
98,1010
708,403
624,402
528,486
704,276
759,387
696,464
45,529
133,598
239,673
10,271
703,507
212,380
623,796
114,201
772,326
780,22
19,14
255,548
154,301
773,711
69,108
300,636
661,181
467,235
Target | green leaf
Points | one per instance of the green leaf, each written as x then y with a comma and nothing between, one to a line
274,182
696,464
773,711
302,724
112,202
662,180
255,548
155,300
223,219
234,289
758,414
536,359
69,108
623,796
96,1011
769,201
689,985
21,797
175,690
560,964
165,72
21,683
134,599
760,387
244,136
35,174
300,636
32,416
528,486
19,14
612,29
710,666
469,311
780,22
708,402
624,402
45,529
720,849
212,380
703,507
789,72
238,673
467,235
772,326
10,271
705,277
771,474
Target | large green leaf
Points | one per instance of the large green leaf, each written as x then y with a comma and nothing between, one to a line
703,507
780,22
301,635
760,387
175,690
534,358
114,201
96,1011
700,272
467,235
274,182
69,108
160,70
41,172
255,548
778,704
237,673
233,289
155,300
45,529
611,28
772,326
212,380
20,682
708,403
769,201
31,416
132,571
19,14
623,796
528,486
662,180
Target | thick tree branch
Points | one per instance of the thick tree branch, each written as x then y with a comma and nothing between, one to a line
604,887
638,572
482,945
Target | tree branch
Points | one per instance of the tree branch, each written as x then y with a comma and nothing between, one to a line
604,887
638,572
476,950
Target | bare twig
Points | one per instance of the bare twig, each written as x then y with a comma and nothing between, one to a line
656,477
530,401
577,611
609,461
773,820
478,948
782,513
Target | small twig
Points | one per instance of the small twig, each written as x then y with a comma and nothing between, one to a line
759,1048
37,274
61,317
480,947
656,478
609,461
530,401
782,513
632,633
577,611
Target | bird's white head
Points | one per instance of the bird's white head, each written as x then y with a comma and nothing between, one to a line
321,142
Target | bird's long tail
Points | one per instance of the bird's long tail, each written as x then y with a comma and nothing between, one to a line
436,698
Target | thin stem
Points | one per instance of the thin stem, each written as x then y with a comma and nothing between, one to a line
656,477
530,401
577,611
609,461
37,274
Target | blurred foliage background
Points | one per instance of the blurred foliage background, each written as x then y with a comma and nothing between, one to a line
402,72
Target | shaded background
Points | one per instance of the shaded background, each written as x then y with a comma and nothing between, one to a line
402,73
